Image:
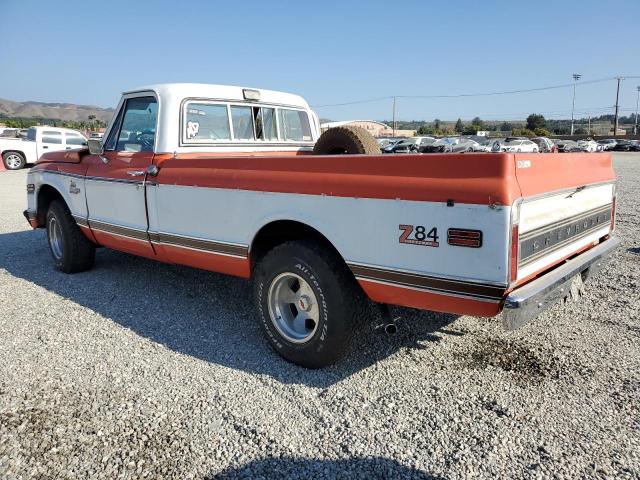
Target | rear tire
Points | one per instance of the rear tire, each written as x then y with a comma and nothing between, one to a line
13,160
346,140
72,252
303,281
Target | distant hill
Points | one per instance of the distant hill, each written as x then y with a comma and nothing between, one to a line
58,111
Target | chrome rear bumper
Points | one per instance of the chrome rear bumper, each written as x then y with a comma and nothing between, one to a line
527,302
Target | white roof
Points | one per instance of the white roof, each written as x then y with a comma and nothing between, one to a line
180,91
171,95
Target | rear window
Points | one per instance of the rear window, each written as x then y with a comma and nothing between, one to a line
206,123
294,125
242,120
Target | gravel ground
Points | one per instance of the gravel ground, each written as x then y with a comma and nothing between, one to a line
143,370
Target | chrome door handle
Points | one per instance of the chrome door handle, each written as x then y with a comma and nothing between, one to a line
135,173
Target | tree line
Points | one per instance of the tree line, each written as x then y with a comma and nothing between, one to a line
535,125
91,124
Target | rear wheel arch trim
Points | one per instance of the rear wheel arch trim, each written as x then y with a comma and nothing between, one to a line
258,247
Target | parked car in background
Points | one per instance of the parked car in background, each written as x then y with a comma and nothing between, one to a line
16,153
441,145
566,146
400,146
589,145
545,145
466,145
485,145
622,146
451,145
526,146
608,144
383,142
635,146
406,145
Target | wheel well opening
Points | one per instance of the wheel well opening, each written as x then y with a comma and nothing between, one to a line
281,231
46,195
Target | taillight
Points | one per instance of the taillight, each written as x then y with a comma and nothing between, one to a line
513,241
513,260
613,211
463,237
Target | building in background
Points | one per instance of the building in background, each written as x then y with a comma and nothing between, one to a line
377,129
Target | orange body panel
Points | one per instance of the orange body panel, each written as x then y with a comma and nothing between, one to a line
552,172
465,178
408,297
215,262
124,244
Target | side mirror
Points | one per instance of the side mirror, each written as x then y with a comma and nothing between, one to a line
95,146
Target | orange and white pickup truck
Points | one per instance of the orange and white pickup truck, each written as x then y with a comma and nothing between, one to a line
240,181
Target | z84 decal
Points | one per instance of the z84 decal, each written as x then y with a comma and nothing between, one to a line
420,235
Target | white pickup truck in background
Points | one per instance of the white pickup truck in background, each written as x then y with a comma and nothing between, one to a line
17,152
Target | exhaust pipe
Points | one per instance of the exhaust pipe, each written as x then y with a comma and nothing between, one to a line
390,328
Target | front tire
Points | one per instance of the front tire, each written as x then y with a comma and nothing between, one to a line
13,160
72,252
309,305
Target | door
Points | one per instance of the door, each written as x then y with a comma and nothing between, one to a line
50,141
115,182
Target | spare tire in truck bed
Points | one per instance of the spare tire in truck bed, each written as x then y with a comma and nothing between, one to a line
349,140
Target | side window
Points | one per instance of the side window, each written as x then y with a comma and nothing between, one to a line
205,123
49,136
31,134
242,120
114,133
138,128
135,127
75,139
294,125
265,120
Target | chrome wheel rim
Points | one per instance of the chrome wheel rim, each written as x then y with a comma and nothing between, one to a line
293,307
13,161
55,238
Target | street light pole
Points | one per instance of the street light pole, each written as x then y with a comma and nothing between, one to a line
615,118
635,126
576,77
394,116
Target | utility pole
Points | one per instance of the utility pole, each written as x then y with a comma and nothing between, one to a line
615,118
576,77
589,125
635,126
394,116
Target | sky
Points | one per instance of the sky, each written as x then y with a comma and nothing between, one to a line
332,52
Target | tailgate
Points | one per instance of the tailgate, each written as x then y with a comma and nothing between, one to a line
567,207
